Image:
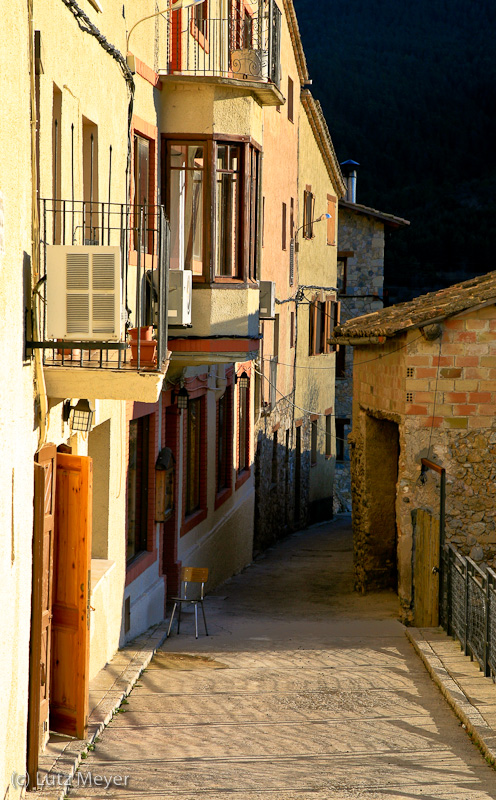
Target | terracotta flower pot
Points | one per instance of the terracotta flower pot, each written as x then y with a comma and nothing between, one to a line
148,346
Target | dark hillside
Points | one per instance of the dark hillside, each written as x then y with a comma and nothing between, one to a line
409,91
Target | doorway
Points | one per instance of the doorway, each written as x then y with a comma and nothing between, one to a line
381,476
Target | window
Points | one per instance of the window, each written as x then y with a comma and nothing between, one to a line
228,210
227,216
200,17
341,423
273,383
137,487
291,240
193,456
331,223
141,191
224,441
323,318
328,443
90,182
292,329
308,212
186,206
290,100
313,442
243,428
56,164
342,266
341,361
284,225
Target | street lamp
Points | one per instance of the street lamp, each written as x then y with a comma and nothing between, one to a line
319,219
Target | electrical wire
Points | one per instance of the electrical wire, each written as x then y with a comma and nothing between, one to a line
361,363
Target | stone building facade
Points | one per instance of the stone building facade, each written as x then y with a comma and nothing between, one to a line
361,291
423,388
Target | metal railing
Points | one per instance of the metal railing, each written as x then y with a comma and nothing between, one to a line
468,607
143,235
242,45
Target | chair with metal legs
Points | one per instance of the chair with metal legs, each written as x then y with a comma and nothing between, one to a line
190,575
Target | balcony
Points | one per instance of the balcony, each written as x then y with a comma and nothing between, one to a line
241,50
104,272
225,322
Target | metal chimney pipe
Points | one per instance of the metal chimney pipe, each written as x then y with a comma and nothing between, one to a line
350,174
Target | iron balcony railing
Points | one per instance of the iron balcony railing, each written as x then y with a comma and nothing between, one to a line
468,607
142,235
243,45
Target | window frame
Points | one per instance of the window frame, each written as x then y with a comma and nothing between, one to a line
308,211
248,221
243,469
341,441
140,493
200,31
224,442
314,441
323,317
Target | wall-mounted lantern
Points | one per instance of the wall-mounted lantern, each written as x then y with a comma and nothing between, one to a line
164,485
79,416
182,399
242,380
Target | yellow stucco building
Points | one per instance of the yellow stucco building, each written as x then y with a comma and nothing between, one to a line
156,311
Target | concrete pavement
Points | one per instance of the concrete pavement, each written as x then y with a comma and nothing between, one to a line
303,690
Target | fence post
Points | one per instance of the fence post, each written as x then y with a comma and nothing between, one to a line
487,671
466,608
449,611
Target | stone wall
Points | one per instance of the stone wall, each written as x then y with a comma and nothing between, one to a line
364,236
275,485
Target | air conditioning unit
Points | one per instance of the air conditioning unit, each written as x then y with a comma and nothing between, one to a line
83,293
180,296
267,300
250,65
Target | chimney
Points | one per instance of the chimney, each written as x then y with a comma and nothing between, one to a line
349,169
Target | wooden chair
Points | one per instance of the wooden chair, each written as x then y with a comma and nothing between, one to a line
190,575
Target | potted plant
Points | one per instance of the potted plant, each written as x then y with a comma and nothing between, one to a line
147,346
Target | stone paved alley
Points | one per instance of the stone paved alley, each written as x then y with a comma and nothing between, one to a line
303,690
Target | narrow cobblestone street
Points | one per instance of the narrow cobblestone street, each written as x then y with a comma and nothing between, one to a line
304,689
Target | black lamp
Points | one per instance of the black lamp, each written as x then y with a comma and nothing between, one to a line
79,416
242,380
182,399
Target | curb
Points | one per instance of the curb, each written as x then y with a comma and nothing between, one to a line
59,778
478,729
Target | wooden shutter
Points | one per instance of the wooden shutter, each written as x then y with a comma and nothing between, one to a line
71,596
41,606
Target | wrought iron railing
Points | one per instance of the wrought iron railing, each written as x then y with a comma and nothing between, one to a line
142,235
243,45
468,607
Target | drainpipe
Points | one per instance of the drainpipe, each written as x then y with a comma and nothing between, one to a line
349,169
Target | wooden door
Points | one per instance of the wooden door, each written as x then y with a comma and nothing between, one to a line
71,596
426,569
41,606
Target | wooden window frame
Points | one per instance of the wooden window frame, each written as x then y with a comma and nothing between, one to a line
190,511
290,99
249,185
144,425
328,311
331,222
328,442
200,34
224,460
314,441
308,211
341,423
284,226
243,470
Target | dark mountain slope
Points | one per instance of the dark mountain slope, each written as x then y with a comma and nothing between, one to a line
409,91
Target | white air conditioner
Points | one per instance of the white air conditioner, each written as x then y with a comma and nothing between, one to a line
251,65
180,296
267,300
83,293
